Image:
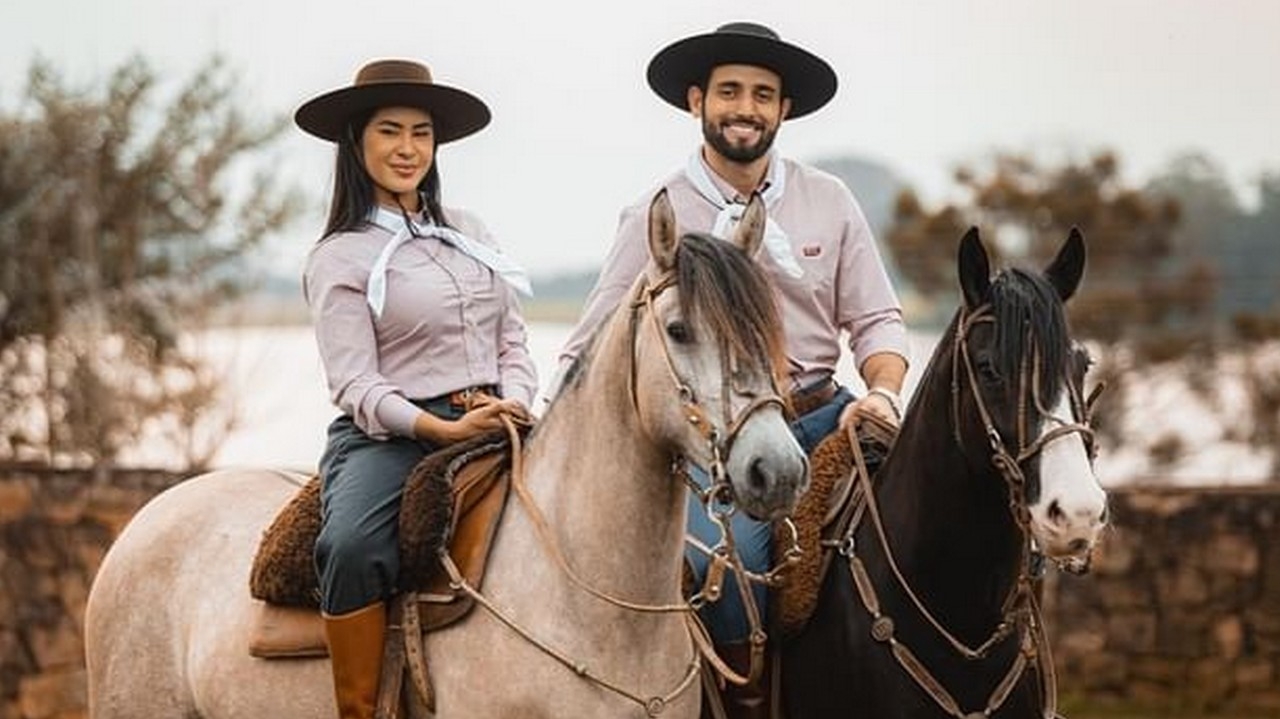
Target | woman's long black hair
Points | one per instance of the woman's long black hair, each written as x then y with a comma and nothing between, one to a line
353,197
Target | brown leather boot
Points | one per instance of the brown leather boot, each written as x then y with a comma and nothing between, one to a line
355,648
750,701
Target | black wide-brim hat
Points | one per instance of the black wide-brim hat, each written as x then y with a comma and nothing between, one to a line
806,78
394,83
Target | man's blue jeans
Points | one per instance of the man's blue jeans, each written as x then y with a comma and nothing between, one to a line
726,619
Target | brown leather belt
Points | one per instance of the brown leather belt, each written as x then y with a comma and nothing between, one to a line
462,399
807,399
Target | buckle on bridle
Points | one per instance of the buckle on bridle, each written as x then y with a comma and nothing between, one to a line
1035,564
848,547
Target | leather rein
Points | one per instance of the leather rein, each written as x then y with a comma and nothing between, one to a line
1020,610
720,490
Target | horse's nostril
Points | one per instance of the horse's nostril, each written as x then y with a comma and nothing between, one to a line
1055,512
756,475
1078,545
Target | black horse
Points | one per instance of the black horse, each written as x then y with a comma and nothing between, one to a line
928,607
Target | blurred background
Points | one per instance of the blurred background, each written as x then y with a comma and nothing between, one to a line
157,204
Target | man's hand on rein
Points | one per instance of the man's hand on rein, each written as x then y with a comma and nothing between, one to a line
877,403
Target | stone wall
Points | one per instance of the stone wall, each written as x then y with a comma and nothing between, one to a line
1182,609
1181,612
55,527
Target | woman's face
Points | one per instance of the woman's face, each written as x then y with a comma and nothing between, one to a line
398,146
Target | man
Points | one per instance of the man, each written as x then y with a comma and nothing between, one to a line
742,82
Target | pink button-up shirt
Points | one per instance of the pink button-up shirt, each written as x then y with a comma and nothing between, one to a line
844,288
448,324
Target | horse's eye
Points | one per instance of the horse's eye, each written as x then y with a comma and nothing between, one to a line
1080,354
987,370
679,332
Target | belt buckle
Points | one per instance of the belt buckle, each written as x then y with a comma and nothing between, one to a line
464,398
461,399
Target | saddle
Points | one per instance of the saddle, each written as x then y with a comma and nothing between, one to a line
453,500
822,516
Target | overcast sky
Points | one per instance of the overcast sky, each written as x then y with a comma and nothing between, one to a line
577,133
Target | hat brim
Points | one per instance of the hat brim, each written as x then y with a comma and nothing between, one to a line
454,113
806,78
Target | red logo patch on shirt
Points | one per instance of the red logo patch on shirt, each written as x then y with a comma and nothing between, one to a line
811,250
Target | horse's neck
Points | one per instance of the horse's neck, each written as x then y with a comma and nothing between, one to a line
607,490
947,520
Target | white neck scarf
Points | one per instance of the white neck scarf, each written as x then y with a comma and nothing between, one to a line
376,292
776,242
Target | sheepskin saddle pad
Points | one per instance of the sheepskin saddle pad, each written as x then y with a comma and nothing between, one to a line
453,497
832,484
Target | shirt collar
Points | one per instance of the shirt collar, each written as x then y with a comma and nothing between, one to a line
728,191
392,220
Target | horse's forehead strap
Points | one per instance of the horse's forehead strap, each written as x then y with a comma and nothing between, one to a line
658,285
981,313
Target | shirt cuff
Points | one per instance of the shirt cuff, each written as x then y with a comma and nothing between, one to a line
396,414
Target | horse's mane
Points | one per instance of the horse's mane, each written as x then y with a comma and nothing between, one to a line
1022,300
720,285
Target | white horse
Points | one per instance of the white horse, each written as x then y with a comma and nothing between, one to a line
682,371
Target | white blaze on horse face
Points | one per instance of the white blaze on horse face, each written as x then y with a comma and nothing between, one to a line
1069,515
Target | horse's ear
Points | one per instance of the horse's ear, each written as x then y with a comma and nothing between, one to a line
663,238
975,270
750,232
1067,268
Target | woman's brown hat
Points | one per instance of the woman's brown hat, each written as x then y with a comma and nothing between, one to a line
806,78
394,83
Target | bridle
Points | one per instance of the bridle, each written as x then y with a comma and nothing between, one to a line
1011,464
720,444
717,498
1020,610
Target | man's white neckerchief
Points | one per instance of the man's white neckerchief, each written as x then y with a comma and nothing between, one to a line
776,242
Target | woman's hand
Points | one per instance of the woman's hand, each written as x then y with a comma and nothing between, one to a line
485,416
481,420
513,407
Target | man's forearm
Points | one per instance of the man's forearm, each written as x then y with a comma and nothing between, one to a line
885,370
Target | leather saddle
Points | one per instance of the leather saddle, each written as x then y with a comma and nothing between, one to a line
472,479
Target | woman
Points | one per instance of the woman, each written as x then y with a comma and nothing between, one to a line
420,333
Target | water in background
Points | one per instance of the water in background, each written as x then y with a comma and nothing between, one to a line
275,391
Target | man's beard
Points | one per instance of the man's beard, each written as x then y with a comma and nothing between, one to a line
737,153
